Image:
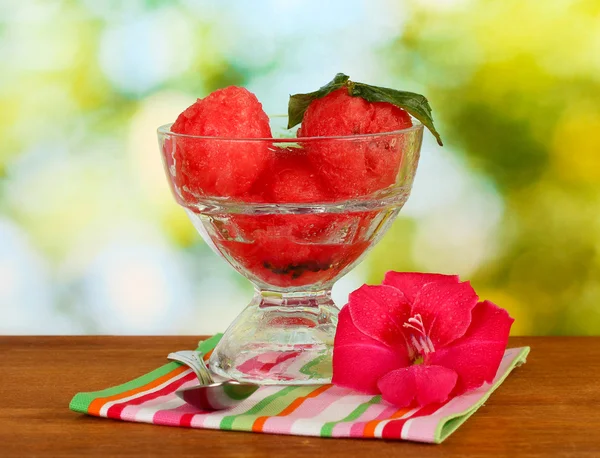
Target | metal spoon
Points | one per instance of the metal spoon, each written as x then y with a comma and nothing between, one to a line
210,395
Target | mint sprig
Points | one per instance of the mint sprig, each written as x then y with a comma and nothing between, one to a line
415,104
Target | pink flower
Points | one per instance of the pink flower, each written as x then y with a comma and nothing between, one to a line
418,339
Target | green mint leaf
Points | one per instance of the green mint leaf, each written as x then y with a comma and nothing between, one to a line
416,104
300,102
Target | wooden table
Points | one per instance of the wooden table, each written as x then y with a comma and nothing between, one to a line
549,407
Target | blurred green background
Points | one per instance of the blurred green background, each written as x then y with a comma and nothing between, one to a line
92,242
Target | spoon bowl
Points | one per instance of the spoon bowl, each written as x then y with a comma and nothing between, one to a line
217,396
210,395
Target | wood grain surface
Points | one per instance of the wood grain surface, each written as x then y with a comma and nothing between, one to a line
548,407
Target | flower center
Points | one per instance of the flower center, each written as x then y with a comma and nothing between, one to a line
419,340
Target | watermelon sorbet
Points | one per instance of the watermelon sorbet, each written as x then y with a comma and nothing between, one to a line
294,212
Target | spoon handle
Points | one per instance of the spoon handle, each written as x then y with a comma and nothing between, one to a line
196,363
200,359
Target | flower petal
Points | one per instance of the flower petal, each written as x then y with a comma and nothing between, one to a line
410,283
477,355
380,312
446,310
358,360
417,384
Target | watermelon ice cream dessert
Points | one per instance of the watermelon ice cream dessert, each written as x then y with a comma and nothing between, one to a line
294,212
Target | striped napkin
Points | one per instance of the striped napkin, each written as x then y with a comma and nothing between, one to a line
323,411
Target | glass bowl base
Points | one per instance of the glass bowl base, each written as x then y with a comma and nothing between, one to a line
280,339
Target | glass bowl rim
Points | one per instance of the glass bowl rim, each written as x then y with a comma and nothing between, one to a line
165,129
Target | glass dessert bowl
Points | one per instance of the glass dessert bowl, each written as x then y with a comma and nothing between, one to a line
290,239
